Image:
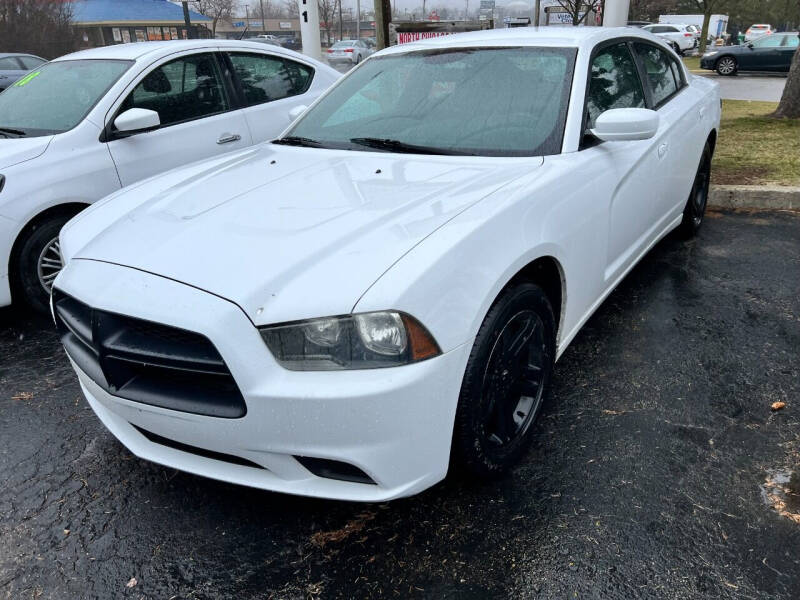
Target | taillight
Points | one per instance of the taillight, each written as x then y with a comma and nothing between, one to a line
348,49
330,51
688,35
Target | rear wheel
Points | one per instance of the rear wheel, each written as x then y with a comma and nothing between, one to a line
727,65
698,197
505,383
38,261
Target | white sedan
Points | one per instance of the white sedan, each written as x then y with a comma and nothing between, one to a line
84,125
681,37
341,312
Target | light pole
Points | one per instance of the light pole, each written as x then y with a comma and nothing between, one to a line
309,28
358,19
615,13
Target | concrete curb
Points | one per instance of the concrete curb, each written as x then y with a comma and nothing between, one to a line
754,196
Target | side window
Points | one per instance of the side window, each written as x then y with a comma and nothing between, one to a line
265,78
183,89
792,41
660,75
614,82
768,41
30,62
9,63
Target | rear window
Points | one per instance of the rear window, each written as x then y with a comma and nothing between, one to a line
343,45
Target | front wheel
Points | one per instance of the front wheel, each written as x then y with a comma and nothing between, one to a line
698,197
727,65
505,382
38,262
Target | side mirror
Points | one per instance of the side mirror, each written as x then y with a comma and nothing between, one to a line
622,124
297,111
750,45
137,120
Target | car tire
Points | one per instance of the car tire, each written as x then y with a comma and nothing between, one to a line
726,66
676,48
505,383
37,261
695,207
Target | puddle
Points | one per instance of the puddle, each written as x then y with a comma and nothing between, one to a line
781,492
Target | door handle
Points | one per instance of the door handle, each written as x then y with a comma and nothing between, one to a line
227,138
662,150
702,111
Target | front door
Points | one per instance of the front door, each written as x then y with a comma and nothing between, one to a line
197,120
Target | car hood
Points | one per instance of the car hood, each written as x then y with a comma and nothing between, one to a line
16,150
289,233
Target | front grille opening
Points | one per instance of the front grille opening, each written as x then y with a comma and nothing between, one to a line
220,456
334,469
148,362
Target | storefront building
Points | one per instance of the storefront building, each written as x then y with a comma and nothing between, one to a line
107,22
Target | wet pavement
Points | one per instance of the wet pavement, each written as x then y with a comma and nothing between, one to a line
763,87
650,476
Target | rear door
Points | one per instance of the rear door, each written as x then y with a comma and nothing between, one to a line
198,113
269,87
786,51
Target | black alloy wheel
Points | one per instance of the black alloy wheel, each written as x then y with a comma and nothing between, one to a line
506,382
698,196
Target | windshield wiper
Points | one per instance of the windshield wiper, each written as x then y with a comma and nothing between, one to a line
397,146
295,140
12,131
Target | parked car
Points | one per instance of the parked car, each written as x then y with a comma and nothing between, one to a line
86,124
268,41
291,42
756,31
767,53
337,312
680,37
14,66
348,51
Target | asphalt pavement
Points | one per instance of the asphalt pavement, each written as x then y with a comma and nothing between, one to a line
767,87
655,472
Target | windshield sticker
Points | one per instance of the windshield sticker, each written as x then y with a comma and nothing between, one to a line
27,78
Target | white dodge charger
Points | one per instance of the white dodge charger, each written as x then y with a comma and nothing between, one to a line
383,291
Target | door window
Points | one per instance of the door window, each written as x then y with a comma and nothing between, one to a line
614,83
9,63
30,62
265,78
791,41
660,76
768,41
181,90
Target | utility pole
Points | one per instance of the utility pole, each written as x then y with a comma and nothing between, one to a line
358,19
466,11
188,21
341,26
309,28
423,10
263,20
383,14
537,9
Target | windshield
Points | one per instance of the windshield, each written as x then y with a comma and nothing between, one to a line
482,101
57,96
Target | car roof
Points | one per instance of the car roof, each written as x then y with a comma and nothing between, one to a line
155,50
7,54
565,37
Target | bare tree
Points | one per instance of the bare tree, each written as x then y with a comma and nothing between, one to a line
327,12
579,10
291,9
39,27
216,10
789,106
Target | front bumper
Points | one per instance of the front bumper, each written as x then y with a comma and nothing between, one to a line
393,424
708,62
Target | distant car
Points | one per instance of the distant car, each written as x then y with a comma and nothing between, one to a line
680,37
291,42
348,51
265,40
14,66
82,126
266,36
767,53
756,31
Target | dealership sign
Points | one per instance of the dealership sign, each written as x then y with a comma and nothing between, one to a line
415,36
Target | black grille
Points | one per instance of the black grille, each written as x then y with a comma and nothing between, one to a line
148,362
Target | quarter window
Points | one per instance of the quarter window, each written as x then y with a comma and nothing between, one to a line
266,78
181,90
30,62
659,69
614,82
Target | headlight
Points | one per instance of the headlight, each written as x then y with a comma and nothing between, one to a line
712,53
362,341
